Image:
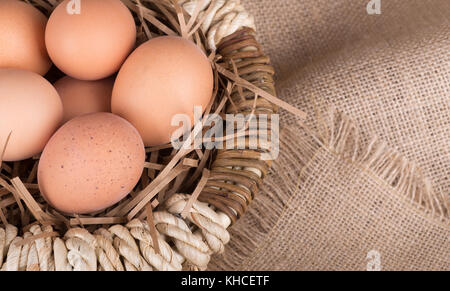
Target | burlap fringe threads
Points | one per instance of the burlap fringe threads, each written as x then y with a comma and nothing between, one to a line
336,133
342,137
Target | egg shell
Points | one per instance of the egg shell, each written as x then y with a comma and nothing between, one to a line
30,109
91,45
163,77
22,37
91,162
84,97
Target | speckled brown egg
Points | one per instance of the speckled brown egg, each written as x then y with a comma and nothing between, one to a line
92,43
91,163
22,37
84,97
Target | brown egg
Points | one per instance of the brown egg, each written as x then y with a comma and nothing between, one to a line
83,97
93,44
91,162
30,109
163,77
22,37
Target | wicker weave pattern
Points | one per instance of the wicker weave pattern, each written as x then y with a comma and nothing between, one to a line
243,168
183,243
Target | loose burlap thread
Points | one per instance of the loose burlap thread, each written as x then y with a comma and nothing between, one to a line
321,209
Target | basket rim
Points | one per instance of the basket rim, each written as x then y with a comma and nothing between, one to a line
239,60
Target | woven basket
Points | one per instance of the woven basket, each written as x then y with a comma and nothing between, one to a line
155,228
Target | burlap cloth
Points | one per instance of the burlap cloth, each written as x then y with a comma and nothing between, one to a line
336,193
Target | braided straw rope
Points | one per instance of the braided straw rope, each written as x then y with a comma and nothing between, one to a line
183,244
222,17
119,248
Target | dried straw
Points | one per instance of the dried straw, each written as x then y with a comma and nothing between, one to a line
167,171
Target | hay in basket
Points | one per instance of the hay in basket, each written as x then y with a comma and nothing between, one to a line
155,227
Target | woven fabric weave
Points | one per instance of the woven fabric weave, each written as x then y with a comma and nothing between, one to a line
390,74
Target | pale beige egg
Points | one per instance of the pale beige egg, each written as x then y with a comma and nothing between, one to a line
30,112
22,37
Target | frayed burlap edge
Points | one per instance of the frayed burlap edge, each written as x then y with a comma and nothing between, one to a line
338,134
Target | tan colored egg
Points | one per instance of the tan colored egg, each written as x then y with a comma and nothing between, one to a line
30,109
90,43
91,162
22,37
83,97
163,77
